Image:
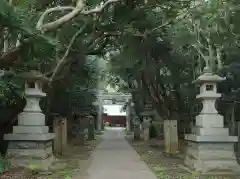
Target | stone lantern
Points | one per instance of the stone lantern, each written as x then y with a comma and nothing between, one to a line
30,144
210,147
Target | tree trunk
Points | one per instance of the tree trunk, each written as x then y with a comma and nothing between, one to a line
233,124
91,131
80,136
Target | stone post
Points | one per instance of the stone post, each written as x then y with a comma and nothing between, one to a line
171,137
30,144
60,131
210,147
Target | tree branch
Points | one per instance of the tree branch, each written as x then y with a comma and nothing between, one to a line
99,49
156,101
99,8
75,11
55,24
161,26
63,60
199,51
5,40
219,57
48,11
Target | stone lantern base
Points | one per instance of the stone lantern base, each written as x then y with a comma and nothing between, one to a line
211,154
32,151
33,155
30,144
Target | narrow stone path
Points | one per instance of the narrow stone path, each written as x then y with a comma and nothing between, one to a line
114,158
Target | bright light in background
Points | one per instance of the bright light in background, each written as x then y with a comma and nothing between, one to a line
114,110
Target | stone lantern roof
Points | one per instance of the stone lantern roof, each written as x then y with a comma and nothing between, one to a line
208,77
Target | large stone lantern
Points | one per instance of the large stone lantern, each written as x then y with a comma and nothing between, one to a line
30,144
210,147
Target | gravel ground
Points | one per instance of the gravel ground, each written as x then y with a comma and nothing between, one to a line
168,167
73,164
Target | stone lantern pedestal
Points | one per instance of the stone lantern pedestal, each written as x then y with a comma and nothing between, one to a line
210,147
30,144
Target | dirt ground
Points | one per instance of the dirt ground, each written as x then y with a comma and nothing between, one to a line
169,167
74,163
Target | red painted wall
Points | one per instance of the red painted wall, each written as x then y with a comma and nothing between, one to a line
113,120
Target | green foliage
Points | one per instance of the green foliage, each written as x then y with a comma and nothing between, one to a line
81,97
3,165
12,18
163,48
155,48
44,50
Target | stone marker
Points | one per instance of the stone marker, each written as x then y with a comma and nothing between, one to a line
171,137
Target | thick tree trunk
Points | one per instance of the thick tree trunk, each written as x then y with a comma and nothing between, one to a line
91,131
80,136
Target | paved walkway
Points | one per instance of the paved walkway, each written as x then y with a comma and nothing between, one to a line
114,158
